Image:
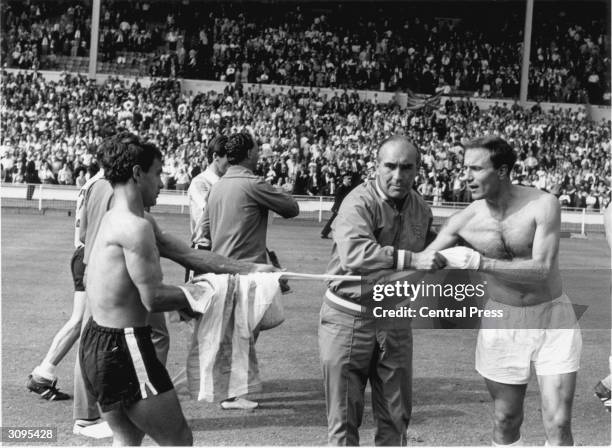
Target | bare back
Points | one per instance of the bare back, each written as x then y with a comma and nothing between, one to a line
114,298
527,231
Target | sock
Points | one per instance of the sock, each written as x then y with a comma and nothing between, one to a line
519,442
45,370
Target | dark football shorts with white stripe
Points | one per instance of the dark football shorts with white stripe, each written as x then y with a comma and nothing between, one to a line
120,366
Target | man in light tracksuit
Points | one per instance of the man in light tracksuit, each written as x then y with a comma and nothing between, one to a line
382,224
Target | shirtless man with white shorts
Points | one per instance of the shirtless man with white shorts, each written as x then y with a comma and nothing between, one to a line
513,238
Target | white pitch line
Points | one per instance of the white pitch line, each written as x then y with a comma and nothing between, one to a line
321,277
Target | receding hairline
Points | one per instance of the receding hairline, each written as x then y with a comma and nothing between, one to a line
396,141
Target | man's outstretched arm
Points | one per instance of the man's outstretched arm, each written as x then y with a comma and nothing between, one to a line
142,263
202,261
524,270
448,235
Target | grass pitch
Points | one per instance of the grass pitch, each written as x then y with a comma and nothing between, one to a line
451,404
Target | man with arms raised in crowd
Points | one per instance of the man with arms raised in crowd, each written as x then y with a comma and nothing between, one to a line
381,224
513,234
124,284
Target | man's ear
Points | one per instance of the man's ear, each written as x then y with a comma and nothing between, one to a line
502,171
136,172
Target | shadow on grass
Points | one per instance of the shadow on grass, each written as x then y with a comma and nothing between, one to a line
301,403
450,391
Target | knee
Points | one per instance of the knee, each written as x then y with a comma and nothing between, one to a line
556,422
506,421
330,362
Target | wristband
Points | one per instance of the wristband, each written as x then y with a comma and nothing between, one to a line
401,259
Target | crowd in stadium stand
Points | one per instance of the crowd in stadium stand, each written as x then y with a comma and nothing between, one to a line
309,141
351,45
36,32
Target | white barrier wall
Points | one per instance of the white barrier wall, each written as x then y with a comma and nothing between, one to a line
43,192
315,204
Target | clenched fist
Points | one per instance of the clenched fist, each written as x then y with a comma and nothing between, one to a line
461,257
428,260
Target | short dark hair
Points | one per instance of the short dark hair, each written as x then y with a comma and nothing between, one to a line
107,127
501,153
122,152
238,146
216,146
399,138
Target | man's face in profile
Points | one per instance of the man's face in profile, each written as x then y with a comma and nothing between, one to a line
151,183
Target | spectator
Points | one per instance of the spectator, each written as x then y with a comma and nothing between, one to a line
64,176
310,141
413,50
80,180
182,180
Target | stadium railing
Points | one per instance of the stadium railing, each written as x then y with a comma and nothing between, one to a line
43,197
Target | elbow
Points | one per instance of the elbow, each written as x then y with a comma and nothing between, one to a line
292,212
150,307
351,266
543,271
544,265
152,304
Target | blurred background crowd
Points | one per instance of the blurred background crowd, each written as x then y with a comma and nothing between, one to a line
457,46
310,139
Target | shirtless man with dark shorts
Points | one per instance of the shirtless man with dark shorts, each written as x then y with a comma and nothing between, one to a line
124,284
513,238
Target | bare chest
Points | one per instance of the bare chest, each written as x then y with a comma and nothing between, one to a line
502,238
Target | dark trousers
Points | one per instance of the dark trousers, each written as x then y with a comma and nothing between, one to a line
328,224
30,192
